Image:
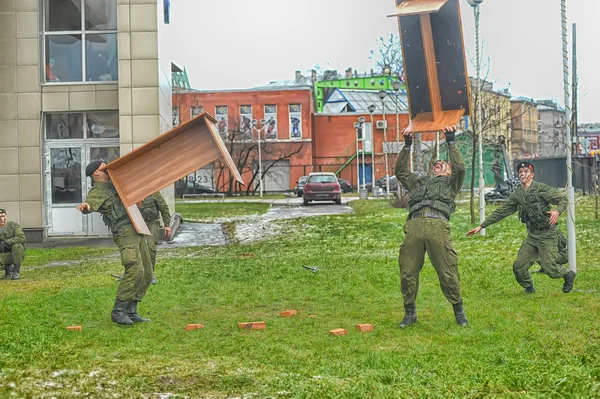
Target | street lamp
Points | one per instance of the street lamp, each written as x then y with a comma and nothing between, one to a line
371,108
382,94
357,129
397,85
258,131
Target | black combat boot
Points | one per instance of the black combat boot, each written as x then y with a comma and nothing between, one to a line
459,314
119,314
569,279
16,272
131,311
8,269
530,290
410,315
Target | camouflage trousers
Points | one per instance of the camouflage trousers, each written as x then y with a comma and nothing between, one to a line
136,256
14,257
431,236
154,228
549,248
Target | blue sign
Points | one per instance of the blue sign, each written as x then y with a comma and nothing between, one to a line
167,11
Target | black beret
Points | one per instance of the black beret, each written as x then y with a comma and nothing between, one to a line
92,166
2,210
525,164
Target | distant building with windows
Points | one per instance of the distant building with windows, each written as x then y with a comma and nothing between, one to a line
552,138
525,128
281,112
80,80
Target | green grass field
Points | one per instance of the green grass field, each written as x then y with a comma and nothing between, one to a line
545,345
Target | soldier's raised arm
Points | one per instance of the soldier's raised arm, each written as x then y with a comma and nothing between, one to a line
402,170
509,207
456,160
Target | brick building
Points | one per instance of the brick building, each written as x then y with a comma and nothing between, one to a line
282,112
79,80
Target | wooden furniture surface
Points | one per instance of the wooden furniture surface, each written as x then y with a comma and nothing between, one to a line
434,62
424,122
416,7
166,159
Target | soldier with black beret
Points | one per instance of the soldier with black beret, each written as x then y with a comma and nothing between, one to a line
533,201
136,249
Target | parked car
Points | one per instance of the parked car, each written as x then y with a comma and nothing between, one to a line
185,186
346,185
299,189
322,186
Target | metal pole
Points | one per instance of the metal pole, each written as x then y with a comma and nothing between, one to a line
570,189
437,145
372,158
260,164
479,121
363,161
357,162
385,157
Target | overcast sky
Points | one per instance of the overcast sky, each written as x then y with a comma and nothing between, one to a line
245,43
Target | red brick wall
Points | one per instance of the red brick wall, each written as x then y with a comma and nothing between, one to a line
257,99
301,163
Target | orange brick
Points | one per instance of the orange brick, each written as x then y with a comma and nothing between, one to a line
288,313
193,327
364,327
338,331
75,328
255,325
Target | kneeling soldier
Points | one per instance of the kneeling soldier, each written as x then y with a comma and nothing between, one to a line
12,247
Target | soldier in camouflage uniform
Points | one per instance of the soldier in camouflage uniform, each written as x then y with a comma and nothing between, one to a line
427,229
12,247
136,249
153,208
545,242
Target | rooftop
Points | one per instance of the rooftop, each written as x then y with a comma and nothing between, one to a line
343,100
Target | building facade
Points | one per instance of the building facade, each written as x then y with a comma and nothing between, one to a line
281,113
496,112
79,80
525,128
552,139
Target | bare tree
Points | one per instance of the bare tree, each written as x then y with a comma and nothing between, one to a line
244,152
389,53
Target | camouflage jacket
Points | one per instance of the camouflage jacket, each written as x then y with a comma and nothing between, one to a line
437,192
12,234
532,204
154,205
103,198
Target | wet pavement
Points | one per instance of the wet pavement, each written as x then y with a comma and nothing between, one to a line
247,228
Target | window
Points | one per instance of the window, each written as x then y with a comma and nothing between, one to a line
246,122
271,120
77,125
80,46
295,121
195,111
175,116
222,120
